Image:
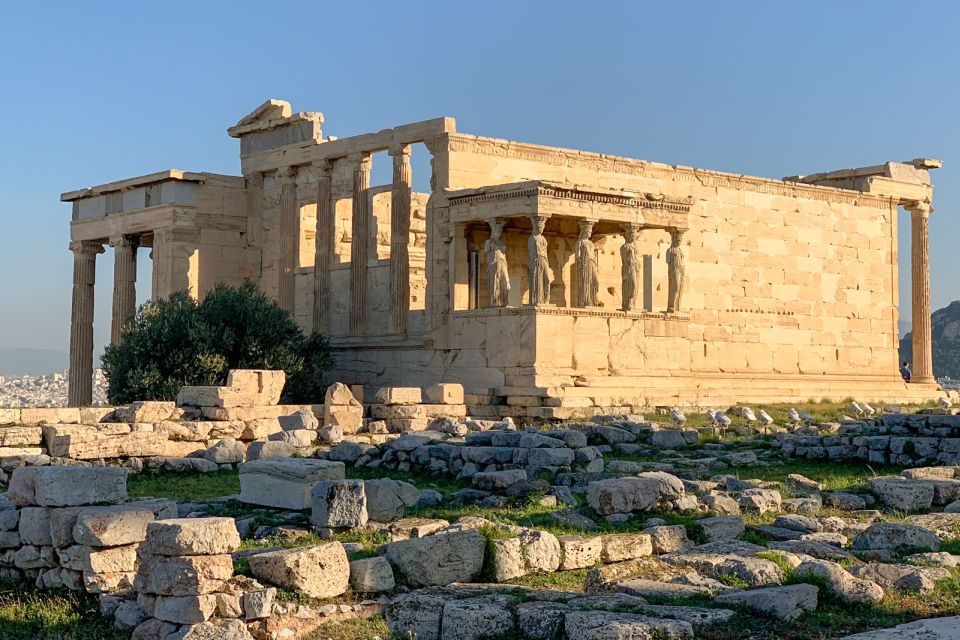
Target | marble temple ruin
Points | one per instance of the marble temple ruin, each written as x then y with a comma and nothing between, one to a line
546,279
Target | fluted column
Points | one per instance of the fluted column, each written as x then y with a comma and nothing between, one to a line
920,276
324,249
124,283
359,244
399,240
289,219
80,391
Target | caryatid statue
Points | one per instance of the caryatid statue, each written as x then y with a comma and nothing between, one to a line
498,276
675,271
631,268
538,266
588,279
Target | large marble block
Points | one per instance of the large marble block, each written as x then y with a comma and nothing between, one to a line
285,483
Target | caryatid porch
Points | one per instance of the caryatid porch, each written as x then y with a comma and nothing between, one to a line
536,244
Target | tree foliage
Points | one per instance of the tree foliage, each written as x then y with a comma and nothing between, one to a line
177,341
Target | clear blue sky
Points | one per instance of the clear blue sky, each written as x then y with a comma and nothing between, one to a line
98,91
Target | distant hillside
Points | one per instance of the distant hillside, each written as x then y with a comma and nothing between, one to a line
903,327
31,362
946,342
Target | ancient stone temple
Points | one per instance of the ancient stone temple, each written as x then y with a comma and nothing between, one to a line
543,279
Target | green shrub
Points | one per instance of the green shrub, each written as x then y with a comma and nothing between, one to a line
178,341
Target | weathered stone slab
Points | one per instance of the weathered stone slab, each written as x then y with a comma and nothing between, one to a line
20,436
192,536
67,486
444,393
63,521
320,571
112,529
398,396
371,575
603,625
439,559
84,442
285,483
640,493
183,575
212,397
262,386
339,504
785,603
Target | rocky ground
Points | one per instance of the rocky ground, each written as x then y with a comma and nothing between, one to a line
622,527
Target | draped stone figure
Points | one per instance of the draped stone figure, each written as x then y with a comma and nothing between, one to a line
588,279
498,276
538,266
631,268
675,271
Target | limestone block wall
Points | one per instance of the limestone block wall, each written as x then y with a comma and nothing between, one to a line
781,279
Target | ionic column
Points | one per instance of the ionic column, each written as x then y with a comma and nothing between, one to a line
289,219
324,249
399,239
920,272
80,390
124,283
359,244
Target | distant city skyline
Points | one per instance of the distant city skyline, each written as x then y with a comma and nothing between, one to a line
748,87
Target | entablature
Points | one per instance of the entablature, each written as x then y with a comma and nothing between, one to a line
542,198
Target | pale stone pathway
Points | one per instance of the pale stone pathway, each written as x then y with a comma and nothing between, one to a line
931,629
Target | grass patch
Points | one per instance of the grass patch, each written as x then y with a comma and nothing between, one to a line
373,628
184,487
29,614
561,580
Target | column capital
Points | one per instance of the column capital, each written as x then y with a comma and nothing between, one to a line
360,158
918,207
400,150
322,168
125,241
86,246
255,179
287,173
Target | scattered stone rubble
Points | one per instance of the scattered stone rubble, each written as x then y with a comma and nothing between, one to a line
66,520
931,437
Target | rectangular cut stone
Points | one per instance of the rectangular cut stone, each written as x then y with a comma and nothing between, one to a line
183,575
192,536
618,547
9,416
444,393
148,411
112,529
35,526
578,552
185,609
94,560
398,395
320,571
48,415
63,521
19,452
285,483
20,436
230,414
213,397
86,442
74,486
264,386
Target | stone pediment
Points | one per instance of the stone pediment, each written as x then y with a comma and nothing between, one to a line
270,115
